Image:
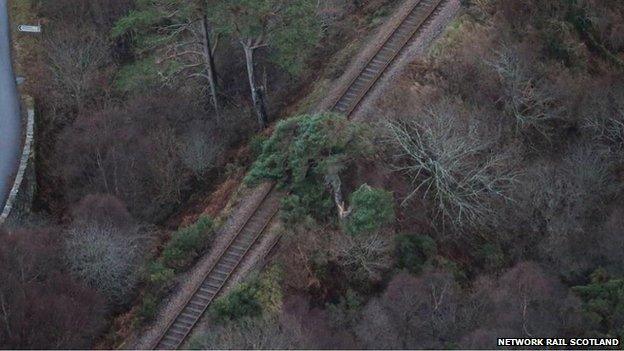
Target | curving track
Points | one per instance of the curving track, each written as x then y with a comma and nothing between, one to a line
350,98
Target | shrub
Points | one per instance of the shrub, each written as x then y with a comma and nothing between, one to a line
102,247
242,302
414,251
148,308
256,144
106,257
199,151
371,210
188,243
250,299
347,312
159,276
282,332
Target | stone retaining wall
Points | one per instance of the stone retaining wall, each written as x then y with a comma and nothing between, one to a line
18,204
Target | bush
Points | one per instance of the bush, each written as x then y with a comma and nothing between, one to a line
414,251
256,144
250,299
371,210
347,312
188,243
242,302
148,308
103,247
159,276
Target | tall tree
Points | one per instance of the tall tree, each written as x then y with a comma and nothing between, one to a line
289,27
173,38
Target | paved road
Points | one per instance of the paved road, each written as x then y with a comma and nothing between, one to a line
10,135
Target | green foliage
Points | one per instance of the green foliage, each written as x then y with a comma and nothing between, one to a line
242,302
188,243
255,145
159,276
137,76
371,210
459,271
251,299
136,20
301,152
414,252
307,144
291,28
150,15
158,29
603,302
308,198
147,309
185,245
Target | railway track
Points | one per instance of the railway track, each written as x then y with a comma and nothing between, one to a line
216,278
353,94
180,327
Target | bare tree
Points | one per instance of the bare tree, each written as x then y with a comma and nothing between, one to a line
449,163
605,121
41,307
76,58
523,302
525,98
365,257
413,313
105,253
565,200
199,150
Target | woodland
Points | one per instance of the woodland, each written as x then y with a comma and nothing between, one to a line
480,198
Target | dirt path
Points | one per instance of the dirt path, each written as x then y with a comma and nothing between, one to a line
249,201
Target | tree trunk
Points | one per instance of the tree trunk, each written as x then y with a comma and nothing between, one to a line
256,93
210,63
335,185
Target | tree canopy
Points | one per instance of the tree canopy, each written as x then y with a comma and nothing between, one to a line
291,28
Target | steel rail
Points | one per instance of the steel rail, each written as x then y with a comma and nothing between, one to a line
182,338
428,7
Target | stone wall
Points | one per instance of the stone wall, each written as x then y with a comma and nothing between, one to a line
18,205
